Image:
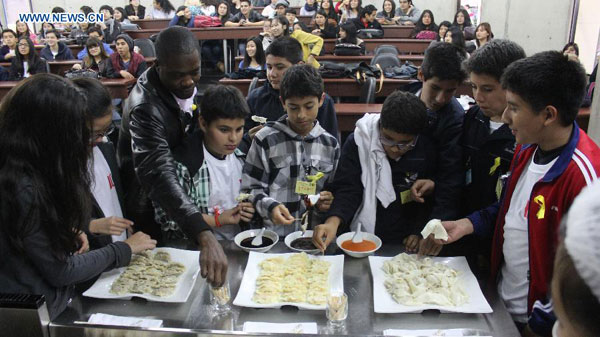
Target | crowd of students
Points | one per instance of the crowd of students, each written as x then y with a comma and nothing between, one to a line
501,176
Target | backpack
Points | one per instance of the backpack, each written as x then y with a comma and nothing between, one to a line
426,35
363,70
201,21
370,33
346,49
334,70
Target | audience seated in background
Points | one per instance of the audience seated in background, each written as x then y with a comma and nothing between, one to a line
183,18
55,50
46,27
290,15
95,32
483,34
254,57
323,27
455,36
387,15
246,17
384,177
161,9
311,44
22,30
26,62
120,15
111,28
328,8
135,10
425,27
463,21
407,13
125,63
309,8
366,20
442,29
97,58
9,47
269,11
276,159
347,34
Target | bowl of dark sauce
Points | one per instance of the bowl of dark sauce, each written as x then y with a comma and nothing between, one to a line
244,240
301,243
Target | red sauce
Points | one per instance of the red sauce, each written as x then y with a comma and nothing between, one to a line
363,246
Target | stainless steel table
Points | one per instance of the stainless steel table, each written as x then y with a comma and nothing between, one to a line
195,317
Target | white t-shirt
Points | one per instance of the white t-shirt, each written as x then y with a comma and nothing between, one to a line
514,284
104,190
54,53
495,126
25,69
225,181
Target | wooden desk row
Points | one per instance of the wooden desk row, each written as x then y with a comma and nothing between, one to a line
60,67
346,87
390,31
415,59
118,87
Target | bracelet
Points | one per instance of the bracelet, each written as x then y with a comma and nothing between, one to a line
217,213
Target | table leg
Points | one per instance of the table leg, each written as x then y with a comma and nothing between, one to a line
225,58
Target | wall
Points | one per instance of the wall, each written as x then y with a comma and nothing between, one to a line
586,32
536,25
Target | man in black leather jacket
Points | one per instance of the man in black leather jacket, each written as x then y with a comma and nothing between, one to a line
156,117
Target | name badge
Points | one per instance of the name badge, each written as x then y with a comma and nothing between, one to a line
306,187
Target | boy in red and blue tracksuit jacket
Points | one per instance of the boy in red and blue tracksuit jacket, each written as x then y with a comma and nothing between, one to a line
576,167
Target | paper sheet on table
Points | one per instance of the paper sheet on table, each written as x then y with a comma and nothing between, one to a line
384,303
106,319
265,327
427,332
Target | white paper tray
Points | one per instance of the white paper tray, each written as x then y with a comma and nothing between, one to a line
189,258
248,285
384,303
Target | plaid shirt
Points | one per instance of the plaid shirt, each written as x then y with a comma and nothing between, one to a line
197,187
277,159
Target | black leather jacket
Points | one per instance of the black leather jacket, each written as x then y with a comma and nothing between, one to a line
153,124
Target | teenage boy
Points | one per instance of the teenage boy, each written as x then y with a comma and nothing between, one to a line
96,32
282,54
366,20
55,50
209,165
280,8
7,51
110,26
125,63
290,15
286,154
246,17
440,75
488,144
554,160
384,173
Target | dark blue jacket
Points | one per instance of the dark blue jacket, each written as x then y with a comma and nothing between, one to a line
64,53
398,220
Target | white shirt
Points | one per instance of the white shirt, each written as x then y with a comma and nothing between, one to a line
495,126
268,12
25,69
185,104
104,190
514,284
225,181
159,14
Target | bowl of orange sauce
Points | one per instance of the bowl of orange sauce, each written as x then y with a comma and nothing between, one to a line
370,244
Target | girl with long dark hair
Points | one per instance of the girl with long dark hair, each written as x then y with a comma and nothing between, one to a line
96,59
45,198
26,61
322,26
311,44
463,21
254,58
426,23
348,34
388,13
183,17
455,36
162,9
22,29
329,9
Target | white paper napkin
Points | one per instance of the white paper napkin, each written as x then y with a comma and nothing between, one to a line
280,327
427,332
105,319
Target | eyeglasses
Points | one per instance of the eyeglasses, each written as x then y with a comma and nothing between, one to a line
106,132
401,145
23,45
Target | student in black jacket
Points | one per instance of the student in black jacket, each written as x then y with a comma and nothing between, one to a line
384,175
26,61
322,26
111,28
55,50
134,10
488,144
440,75
283,53
367,19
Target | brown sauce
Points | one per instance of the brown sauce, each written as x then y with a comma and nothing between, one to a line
247,242
303,244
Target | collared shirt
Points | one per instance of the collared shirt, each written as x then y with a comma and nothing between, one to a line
185,104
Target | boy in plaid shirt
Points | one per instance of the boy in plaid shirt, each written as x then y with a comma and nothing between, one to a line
209,166
285,152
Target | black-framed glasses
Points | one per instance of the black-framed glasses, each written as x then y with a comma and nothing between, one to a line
105,133
401,145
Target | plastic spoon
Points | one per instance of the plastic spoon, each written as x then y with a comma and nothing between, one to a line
257,241
358,235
